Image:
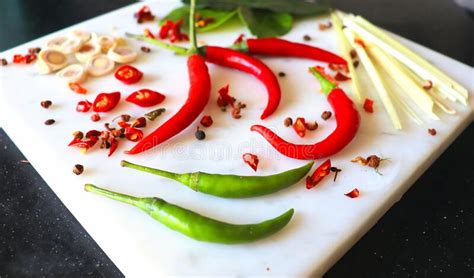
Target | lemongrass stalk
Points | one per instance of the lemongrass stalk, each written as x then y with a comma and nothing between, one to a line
401,53
375,78
406,83
345,49
407,109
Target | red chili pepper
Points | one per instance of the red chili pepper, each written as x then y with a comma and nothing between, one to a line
145,98
165,28
198,97
341,77
280,47
176,34
147,32
300,127
237,60
206,121
133,134
128,74
18,59
113,146
251,160
369,105
105,102
347,119
83,106
76,87
353,194
320,172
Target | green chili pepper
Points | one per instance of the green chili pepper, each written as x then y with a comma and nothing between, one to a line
230,186
195,225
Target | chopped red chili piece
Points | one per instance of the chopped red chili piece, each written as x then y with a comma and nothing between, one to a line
113,146
341,77
360,42
432,131
165,28
428,85
369,105
147,32
206,121
144,14
224,98
95,117
322,71
139,122
84,144
338,67
133,134
252,160
18,59
300,127
325,26
123,124
76,87
176,35
353,194
105,102
239,39
93,133
83,106
145,98
128,74
323,170
30,58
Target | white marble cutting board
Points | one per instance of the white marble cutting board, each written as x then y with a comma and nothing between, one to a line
326,223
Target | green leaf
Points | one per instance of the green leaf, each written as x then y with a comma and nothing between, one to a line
262,23
295,7
219,17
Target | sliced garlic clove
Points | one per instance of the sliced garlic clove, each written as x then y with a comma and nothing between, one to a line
72,73
84,36
105,42
87,51
99,65
122,54
71,45
56,43
50,60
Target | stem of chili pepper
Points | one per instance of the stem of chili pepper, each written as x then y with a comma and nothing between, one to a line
195,225
176,49
192,27
326,85
230,186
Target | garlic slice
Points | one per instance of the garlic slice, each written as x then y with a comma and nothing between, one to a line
99,65
56,43
122,54
71,45
50,60
72,73
105,42
87,51
84,36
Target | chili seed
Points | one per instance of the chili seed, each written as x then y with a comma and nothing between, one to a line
46,104
356,64
200,135
125,117
432,131
306,38
78,169
4,62
95,117
281,74
49,122
288,122
78,134
145,49
326,115
311,125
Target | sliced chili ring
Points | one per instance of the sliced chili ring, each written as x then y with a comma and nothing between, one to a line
252,160
300,127
105,102
145,98
323,170
83,106
133,134
353,194
128,74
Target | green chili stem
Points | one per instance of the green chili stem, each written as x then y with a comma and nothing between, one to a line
326,85
192,27
162,173
134,201
176,49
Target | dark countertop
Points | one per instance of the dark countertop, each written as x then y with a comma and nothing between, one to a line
429,233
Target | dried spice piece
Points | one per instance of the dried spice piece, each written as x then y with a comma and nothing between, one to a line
323,170
432,131
107,126
152,115
76,87
306,38
372,161
145,49
83,106
326,115
355,64
251,159
4,62
360,42
125,117
341,77
93,133
95,117
133,134
300,127
224,98
281,74
335,170
288,122
203,22
147,32
239,39
353,194
78,169
139,122
30,58
18,59
325,26
113,146
236,113
200,135
338,67
359,159
78,135
46,104
311,125
34,50
353,53
369,105
49,122
143,15
206,121
428,85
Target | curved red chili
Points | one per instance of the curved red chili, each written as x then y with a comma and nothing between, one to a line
237,60
198,97
347,119
280,47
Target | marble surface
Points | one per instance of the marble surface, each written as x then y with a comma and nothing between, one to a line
275,63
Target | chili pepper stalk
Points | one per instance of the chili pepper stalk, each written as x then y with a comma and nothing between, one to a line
195,225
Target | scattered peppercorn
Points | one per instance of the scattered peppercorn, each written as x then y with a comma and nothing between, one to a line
145,49
78,134
46,104
49,122
207,121
34,50
353,53
355,64
200,135
325,26
152,115
311,125
432,131
288,122
4,62
78,169
326,115
95,117
139,122
281,74
125,117
306,38
336,171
